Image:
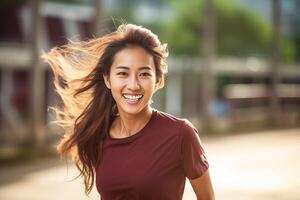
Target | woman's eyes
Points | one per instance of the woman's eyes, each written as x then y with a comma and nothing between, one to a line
144,74
122,73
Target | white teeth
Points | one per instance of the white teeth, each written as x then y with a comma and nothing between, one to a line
132,97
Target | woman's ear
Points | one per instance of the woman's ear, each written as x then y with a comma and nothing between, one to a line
106,81
158,84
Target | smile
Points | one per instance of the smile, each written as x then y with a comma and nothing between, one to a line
132,97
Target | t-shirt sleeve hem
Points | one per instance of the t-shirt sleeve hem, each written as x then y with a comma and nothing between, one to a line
199,173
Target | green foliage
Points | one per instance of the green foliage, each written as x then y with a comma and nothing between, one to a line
239,32
182,32
296,41
289,50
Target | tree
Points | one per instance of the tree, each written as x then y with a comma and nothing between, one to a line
240,32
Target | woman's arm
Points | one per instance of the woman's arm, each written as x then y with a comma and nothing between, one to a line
203,187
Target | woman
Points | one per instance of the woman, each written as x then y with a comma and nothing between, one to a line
131,150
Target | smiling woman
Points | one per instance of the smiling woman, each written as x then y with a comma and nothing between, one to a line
132,82
115,137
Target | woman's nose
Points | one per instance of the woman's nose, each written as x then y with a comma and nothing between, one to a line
133,83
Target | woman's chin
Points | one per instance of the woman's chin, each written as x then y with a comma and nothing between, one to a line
133,109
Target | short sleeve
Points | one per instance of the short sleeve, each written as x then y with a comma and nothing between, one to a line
194,160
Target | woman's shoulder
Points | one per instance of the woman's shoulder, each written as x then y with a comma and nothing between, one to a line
167,119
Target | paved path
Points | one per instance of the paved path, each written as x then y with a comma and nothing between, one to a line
256,166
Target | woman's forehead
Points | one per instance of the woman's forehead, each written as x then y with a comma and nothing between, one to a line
133,58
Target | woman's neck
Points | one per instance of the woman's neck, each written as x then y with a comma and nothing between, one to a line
127,125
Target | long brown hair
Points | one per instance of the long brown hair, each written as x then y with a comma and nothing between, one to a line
88,106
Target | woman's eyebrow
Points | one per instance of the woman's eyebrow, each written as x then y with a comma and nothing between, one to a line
127,68
145,68
122,67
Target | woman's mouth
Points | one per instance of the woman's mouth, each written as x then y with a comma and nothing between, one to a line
132,99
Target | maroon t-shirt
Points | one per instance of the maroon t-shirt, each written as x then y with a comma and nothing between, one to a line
153,163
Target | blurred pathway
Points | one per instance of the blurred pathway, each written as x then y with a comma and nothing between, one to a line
256,166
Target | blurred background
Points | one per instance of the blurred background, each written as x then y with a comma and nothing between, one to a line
234,72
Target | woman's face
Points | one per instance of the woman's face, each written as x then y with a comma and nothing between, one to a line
132,79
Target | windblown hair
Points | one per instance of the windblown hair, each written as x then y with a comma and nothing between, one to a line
88,106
